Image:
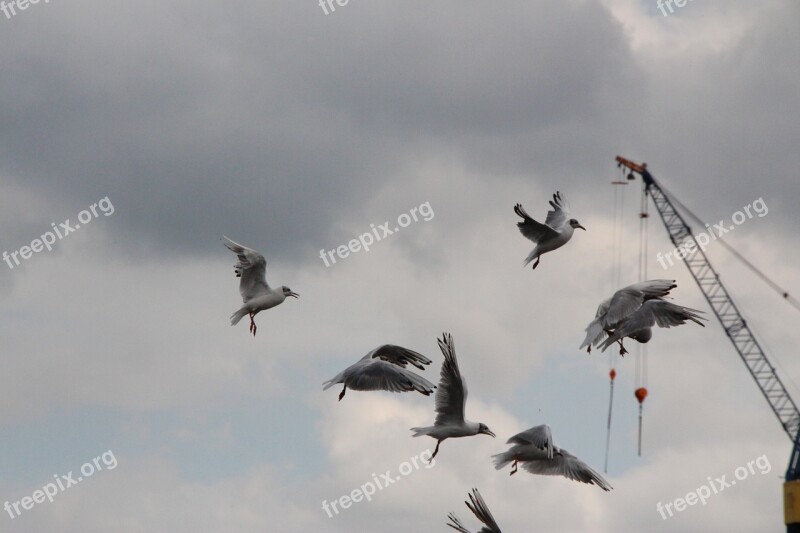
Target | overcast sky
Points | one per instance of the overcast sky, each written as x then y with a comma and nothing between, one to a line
293,131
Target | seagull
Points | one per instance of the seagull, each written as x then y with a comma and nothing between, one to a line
451,398
633,311
384,368
480,510
535,450
256,293
556,231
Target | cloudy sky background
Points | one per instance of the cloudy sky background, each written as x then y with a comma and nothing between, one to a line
292,131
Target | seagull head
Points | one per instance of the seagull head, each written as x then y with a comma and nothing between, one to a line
643,335
483,428
288,292
575,224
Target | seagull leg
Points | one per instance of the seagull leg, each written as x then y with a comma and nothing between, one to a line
536,263
435,451
341,394
253,326
514,469
622,350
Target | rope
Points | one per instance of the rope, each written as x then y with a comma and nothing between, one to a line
641,349
641,405
608,426
616,274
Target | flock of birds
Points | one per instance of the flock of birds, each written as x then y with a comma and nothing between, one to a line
631,312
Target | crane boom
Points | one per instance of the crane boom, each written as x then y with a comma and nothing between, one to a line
734,325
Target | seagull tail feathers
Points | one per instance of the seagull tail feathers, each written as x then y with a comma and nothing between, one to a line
238,315
418,432
339,378
531,256
502,459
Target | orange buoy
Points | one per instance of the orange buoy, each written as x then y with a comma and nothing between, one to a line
640,393
612,374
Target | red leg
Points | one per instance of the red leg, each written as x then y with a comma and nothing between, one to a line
253,326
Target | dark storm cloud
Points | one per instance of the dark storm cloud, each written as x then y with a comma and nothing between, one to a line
198,118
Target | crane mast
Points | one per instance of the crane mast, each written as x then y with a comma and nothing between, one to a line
737,330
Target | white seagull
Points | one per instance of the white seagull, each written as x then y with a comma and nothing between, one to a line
451,397
480,510
556,231
384,368
256,293
633,311
535,450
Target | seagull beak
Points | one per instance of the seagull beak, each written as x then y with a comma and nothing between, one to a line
488,432
579,226
294,294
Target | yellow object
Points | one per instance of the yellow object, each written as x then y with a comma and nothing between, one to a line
791,502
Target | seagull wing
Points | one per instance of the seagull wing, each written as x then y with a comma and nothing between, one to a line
659,312
567,465
251,268
456,524
539,436
399,356
375,374
628,300
535,231
559,216
654,312
479,508
451,395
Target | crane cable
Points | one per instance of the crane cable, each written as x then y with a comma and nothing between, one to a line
641,349
616,273
777,288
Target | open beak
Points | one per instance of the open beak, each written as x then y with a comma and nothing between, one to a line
488,432
293,294
579,226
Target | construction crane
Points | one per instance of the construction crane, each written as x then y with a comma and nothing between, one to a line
736,329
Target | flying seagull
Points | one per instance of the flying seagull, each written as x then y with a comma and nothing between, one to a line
556,231
451,397
633,311
257,295
535,450
384,368
480,510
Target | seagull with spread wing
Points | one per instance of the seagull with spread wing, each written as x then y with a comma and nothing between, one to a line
535,450
384,368
256,293
451,398
480,510
633,311
556,231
